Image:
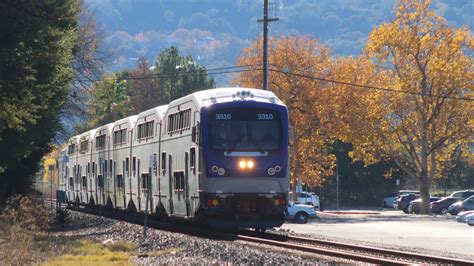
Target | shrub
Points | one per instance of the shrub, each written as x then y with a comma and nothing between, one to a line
26,212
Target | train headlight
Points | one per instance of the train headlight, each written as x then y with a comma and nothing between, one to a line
250,164
271,171
246,164
221,171
215,169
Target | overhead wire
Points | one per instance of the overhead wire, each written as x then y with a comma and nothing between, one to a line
370,87
253,67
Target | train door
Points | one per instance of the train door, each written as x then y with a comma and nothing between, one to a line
180,195
186,184
119,187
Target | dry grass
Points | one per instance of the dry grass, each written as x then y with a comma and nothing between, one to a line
89,253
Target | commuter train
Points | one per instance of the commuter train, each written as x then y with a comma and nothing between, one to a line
218,156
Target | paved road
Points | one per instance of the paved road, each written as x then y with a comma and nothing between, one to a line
393,228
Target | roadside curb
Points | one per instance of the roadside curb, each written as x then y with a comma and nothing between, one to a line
349,212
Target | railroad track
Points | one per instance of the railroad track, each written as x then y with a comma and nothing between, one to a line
314,246
348,251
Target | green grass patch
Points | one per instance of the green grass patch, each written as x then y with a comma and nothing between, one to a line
88,252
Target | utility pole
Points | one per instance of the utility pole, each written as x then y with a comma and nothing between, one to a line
265,21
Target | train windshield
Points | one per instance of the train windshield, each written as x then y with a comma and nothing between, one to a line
245,130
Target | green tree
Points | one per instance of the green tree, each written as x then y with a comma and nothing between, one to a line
36,48
179,75
109,100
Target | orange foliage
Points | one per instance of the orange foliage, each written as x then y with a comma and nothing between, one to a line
310,158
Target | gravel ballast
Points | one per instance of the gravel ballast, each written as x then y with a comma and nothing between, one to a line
180,248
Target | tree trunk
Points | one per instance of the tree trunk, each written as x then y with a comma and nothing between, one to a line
425,184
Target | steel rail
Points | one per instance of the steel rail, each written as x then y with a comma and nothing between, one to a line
383,251
324,251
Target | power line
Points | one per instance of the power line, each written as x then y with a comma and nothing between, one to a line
371,87
211,71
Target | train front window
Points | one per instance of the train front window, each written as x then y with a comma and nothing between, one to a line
245,130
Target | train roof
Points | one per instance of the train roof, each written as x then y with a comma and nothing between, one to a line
73,140
107,127
160,111
229,94
131,120
87,135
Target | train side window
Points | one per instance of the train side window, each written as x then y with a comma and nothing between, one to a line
163,161
120,181
84,181
192,158
134,164
110,166
100,180
145,180
178,180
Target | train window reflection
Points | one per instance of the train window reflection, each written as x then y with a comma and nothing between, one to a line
245,132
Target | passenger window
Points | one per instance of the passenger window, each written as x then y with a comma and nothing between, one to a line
192,158
100,181
145,180
120,181
163,161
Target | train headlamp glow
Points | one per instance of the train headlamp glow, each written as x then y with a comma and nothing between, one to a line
246,164
250,164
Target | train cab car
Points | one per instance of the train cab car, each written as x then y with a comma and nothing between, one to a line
83,166
244,158
101,166
144,159
121,154
70,169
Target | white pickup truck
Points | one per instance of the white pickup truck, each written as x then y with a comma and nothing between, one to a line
307,198
300,213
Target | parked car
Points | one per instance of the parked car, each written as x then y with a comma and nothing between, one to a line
300,213
307,198
463,194
389,200
461,217
415,205
470,219
441,206
465,205
402,202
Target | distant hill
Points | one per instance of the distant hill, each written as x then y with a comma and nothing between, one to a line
215,31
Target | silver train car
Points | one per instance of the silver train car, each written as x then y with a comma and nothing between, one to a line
217,156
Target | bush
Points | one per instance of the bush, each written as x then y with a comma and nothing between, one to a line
26,212
62,217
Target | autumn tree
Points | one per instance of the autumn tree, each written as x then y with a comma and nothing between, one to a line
310,155
429,115
145,92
